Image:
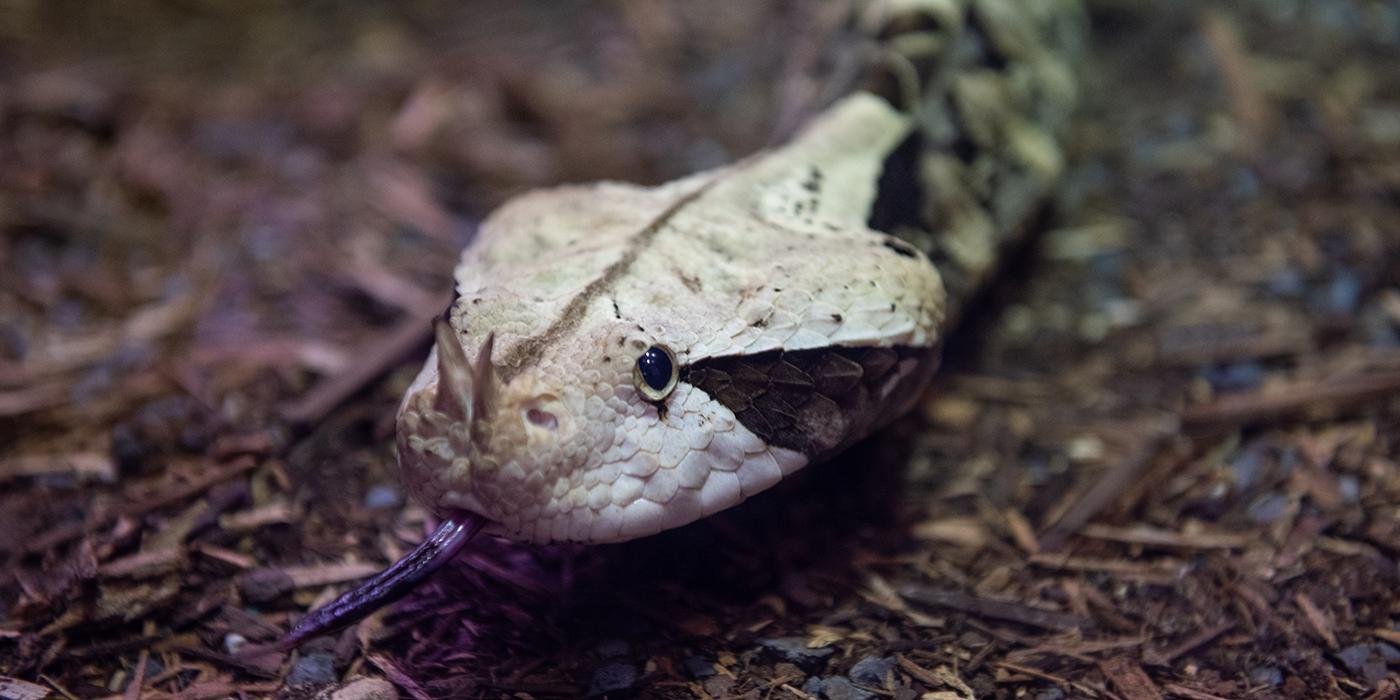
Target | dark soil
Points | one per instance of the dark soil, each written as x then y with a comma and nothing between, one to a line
1162,458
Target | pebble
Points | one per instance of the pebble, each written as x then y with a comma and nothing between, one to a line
698,667
234,641
1249,465
1343,293
383,496
1287,282
835,688
1266,675
1349,488
316,667
871,670
1369,660
795,649
841,688
612,678
1238,376
1268,508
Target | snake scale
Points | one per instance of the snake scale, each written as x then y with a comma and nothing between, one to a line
620,360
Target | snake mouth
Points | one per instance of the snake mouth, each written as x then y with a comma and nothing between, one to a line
389,585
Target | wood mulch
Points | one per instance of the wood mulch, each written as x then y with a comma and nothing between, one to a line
1160,460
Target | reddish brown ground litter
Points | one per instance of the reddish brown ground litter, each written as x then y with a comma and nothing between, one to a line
1161,460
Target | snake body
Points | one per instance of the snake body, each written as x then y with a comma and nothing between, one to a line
620,360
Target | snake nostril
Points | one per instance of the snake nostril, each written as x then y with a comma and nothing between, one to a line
543,419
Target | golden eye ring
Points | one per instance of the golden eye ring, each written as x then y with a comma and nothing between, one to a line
656,373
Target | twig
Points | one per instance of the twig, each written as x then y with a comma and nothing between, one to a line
1185,692
1130,679
1153,537
1205,636
1317,620
1263,405
1247,105
1105,490
382,355
64,533
996,609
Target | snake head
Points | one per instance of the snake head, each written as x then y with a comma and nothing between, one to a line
589,437
622,360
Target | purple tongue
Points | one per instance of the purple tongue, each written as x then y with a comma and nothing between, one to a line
390,584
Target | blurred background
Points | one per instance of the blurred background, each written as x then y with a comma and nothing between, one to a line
1161,459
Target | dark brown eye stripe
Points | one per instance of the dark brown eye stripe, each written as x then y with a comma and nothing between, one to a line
812,401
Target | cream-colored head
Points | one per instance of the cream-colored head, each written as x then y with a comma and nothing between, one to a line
553,434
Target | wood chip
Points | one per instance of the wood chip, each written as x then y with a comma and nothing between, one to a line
996,609
1021,531
941,677
1128,677
1190,693
1159,571
378,357
276,513
1106,487
133,688
85,466
1278,401
1154,537
1317,620
144,564
1205,636
398,677
16,689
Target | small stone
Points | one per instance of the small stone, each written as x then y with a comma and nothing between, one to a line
383,496
839,688
1050,694
317,667
1349,488
698,667
1237,376
1249,466
795,649
1266,675
1287,282
813,686
871,670
1268,508
1365,660
612,678
1343,293
234,641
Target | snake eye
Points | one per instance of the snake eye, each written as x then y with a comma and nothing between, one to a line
655,374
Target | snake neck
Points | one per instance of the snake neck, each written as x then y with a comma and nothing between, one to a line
990,86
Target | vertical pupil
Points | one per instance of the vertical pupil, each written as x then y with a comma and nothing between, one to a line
655,367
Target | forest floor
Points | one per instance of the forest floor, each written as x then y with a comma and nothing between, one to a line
1162,458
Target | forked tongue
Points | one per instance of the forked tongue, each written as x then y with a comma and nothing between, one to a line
390,584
